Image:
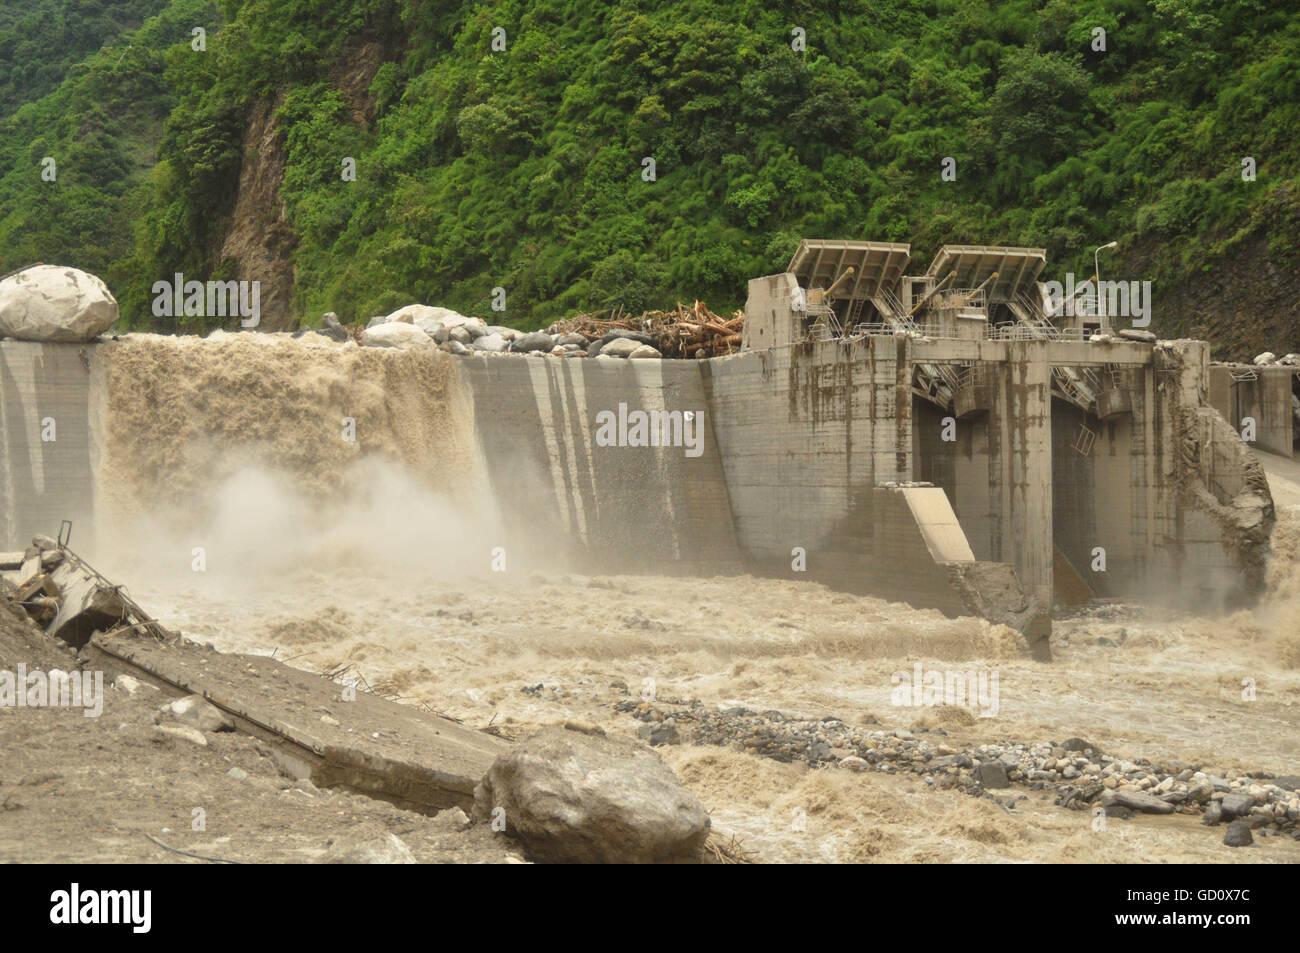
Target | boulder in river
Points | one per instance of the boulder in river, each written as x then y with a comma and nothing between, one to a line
579,798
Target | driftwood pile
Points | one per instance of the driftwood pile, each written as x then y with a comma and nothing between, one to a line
684,332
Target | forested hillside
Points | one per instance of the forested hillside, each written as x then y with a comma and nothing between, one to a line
41,40
525,167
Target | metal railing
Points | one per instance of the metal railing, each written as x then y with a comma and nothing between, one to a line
960,298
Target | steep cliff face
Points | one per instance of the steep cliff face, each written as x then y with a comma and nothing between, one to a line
354,72
1248,305
260,241
1238,289
258,245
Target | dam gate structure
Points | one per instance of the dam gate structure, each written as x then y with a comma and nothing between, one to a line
942,438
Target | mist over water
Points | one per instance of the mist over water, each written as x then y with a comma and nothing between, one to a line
274,457
258,525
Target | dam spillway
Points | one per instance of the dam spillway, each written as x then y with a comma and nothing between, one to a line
815,461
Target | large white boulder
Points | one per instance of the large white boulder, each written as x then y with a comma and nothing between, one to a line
435,322
55,303
576,798
394,334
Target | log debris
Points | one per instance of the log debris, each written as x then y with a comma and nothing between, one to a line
683,332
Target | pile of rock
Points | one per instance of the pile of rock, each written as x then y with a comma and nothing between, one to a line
1077,774
1268,357
419,325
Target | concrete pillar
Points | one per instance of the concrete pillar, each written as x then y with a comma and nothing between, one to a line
1025,405
888,416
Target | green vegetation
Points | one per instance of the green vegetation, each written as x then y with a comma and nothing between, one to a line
42,40
524,168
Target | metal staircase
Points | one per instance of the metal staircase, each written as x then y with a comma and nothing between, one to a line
1078,385
937,383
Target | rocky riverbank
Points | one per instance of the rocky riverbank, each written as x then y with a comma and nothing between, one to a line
1077,774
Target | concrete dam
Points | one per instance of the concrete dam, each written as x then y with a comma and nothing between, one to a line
941,439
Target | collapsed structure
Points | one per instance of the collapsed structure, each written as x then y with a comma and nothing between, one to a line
944,439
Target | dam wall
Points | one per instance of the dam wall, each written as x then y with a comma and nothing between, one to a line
618,499
796,461
1261,394
47,447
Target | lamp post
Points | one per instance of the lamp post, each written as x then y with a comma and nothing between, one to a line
1096,275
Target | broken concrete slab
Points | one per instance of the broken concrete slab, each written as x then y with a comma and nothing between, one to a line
89,603
414,759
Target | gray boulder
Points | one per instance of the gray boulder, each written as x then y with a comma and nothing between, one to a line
55,303
332,329
992,774
573,337
508,333
1135,334
1137,801
489,342
533,341
620,347
1238,834
460,333
637,336
578,798
644,351
1236,805
184,732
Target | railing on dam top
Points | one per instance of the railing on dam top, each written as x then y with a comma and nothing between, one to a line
1004,332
